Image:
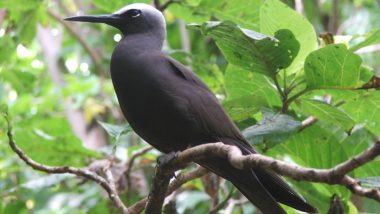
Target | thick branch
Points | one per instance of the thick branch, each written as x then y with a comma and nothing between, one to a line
336,175
107,184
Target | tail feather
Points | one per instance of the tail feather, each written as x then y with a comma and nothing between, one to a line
282,192
261,187
247,182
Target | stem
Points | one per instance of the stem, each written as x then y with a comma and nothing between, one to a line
300,93
277,84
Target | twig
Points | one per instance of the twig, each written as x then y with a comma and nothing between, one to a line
175,184
94,55
111,181
311,119
308,122
369,49
300,93
299,7
131,161
233,203
162,7
105,183
223,203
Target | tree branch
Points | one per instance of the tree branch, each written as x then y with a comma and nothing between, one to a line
107,184
335,175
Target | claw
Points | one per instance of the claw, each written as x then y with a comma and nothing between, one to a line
165,159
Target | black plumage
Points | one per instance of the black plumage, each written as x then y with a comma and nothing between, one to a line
172,109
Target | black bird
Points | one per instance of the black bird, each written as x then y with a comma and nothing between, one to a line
172,109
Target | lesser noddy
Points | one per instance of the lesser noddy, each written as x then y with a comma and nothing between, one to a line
168,106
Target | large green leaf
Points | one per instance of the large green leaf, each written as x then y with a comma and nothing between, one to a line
272,129
242,108
370,38
364,107
245,14
359,140
275,15
327,113
240,83
333,67
251,50
318,146
324,145
50,141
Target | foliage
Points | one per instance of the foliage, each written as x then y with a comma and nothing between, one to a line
261,58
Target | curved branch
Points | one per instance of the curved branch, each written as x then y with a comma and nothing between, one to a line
335,175
107,184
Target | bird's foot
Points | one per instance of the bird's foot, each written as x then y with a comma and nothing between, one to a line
167,158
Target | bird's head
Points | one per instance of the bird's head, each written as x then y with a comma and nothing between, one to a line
137,18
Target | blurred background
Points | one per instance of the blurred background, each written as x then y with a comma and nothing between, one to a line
54,78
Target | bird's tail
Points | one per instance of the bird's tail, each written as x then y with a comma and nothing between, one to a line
263,188
282,192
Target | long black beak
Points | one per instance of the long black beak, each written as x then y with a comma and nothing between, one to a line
111,19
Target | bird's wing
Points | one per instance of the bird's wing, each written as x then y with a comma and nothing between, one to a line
208,110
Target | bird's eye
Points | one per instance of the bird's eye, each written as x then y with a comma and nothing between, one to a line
133,13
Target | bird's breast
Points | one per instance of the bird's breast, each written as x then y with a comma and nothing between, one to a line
159,114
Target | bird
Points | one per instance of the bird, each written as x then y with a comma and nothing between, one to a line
172,109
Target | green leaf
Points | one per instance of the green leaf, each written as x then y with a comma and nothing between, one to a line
115,131
21,81
27,27
364,107
366,73
240,83
49,140
41,182
244,107
272,129
109,7
251,50
370,181
3,108
18,8
333,67
275,16
370,38
359,140
327,113
246,15
318,146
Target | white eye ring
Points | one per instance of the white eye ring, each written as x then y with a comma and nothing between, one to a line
134,13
